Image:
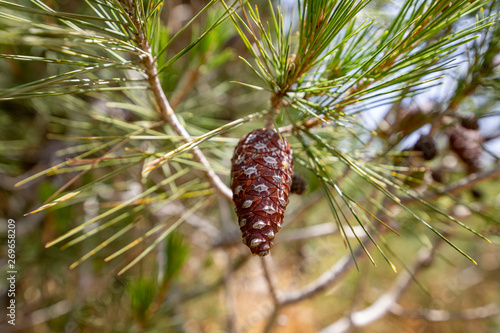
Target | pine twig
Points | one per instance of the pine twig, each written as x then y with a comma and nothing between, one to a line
273,291
271,319
163,105
328,278
267,274
459,186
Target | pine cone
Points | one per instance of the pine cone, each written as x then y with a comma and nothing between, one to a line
465,143
261,177
427,146
469,122
438,175
299,184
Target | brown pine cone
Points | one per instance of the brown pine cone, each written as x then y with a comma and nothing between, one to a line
469,122
261,177
466,144
426,146
299,184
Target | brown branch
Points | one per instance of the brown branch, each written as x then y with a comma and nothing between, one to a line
163,107
276,102
385,302
272,290
267,274
459,186
271,319
308,124
328,278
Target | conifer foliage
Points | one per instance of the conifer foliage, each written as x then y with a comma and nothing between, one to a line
136,126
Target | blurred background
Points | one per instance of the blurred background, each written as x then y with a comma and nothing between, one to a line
201,278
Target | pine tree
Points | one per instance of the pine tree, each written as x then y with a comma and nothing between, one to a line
143,103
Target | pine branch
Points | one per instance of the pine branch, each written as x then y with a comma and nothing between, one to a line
164,108
266,265
331,276
386,301
459,186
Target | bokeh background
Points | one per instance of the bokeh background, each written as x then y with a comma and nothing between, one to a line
201,278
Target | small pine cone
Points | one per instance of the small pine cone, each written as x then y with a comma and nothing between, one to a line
427,146
469,122
438,176
261,177
299,184
466,144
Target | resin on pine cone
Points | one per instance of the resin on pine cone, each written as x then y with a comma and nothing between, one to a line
261,177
